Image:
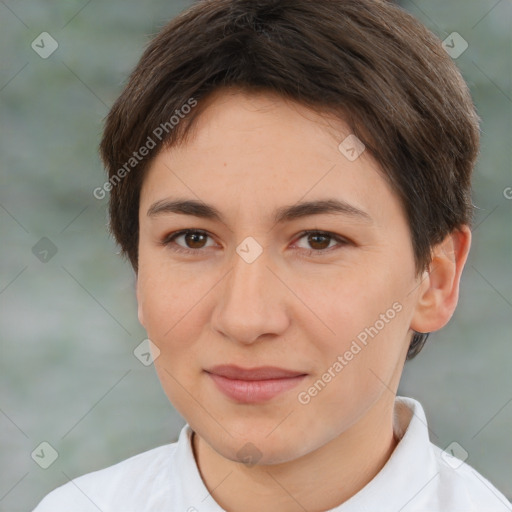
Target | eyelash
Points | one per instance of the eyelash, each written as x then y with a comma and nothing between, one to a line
169,239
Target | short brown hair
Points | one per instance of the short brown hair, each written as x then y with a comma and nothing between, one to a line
366,61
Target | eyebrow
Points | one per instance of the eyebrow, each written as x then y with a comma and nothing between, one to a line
281,214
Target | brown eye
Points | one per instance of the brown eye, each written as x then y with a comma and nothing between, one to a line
193,241
319,242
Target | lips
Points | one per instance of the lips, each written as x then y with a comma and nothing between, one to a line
253,385
260,373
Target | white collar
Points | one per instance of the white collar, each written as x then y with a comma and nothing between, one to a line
392,484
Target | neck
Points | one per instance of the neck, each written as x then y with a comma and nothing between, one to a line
348,463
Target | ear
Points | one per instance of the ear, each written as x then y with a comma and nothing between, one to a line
439,288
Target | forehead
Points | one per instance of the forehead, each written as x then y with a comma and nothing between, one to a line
257,112
260,150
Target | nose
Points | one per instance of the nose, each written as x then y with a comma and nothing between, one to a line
251,302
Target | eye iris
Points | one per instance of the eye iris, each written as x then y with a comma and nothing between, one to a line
193,238
314,244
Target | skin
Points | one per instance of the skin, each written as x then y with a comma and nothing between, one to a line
250,154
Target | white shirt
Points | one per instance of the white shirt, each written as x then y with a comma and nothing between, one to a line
418,476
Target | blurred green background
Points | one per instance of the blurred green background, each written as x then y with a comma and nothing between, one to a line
69,325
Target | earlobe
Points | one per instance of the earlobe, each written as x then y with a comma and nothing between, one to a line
439,289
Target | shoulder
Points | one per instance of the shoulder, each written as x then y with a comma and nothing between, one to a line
459,483
433,479
125,484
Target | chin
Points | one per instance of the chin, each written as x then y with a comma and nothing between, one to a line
252,445
259,452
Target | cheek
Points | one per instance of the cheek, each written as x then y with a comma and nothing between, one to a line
358,365
353,302
368,318
173,322
169,300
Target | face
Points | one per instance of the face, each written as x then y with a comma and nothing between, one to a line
276,277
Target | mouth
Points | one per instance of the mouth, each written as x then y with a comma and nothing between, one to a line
253,385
